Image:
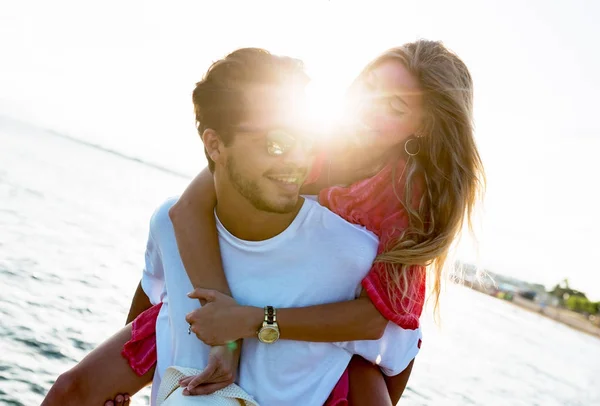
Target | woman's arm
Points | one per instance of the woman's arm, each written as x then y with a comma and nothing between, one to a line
352,320
344,321
222,320
195,228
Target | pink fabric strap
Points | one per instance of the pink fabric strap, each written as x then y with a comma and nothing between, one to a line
140,351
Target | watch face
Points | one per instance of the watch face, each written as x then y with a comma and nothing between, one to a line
268,335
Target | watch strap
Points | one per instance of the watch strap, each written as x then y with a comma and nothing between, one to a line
270,315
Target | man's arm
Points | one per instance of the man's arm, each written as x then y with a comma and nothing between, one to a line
139,303
152,283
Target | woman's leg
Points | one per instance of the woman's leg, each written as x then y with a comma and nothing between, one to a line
397,384
98,377
367,384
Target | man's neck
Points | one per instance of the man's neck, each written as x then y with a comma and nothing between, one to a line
246,222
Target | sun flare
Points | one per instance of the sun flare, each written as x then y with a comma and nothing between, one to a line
324,109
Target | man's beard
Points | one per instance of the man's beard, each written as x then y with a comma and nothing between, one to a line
251,191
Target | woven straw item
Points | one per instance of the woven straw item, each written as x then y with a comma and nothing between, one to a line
171,394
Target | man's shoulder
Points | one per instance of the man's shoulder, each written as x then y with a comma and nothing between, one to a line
160,218
330,222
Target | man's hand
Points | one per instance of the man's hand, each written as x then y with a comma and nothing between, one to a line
221,320
220,372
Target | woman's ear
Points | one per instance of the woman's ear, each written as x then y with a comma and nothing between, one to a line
212,144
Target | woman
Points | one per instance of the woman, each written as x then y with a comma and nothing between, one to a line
414,177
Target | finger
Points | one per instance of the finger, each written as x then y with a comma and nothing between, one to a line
190,317
209,295
109,403
127,400
119,400
208,388
202,378
220,375
185,381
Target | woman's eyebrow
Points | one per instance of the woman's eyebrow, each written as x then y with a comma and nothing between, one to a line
398,97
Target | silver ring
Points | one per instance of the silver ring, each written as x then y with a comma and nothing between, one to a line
189,328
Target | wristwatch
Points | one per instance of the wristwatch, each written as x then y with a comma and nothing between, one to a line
269,331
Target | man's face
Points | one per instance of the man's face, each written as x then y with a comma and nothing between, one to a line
269,156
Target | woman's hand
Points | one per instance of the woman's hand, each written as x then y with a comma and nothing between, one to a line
122,399
221,320
219,373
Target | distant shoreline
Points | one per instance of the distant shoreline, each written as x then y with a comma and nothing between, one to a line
564,316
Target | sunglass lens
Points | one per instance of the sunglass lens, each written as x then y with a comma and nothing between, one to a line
279,142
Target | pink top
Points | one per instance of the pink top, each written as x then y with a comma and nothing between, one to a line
374,204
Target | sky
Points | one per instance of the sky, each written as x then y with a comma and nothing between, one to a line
120,74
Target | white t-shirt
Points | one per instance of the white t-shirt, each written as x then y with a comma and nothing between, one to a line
320,258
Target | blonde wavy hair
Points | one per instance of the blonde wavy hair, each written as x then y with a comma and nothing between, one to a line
447,164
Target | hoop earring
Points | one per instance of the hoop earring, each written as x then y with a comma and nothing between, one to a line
407,148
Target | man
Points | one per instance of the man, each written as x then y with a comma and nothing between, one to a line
279,250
